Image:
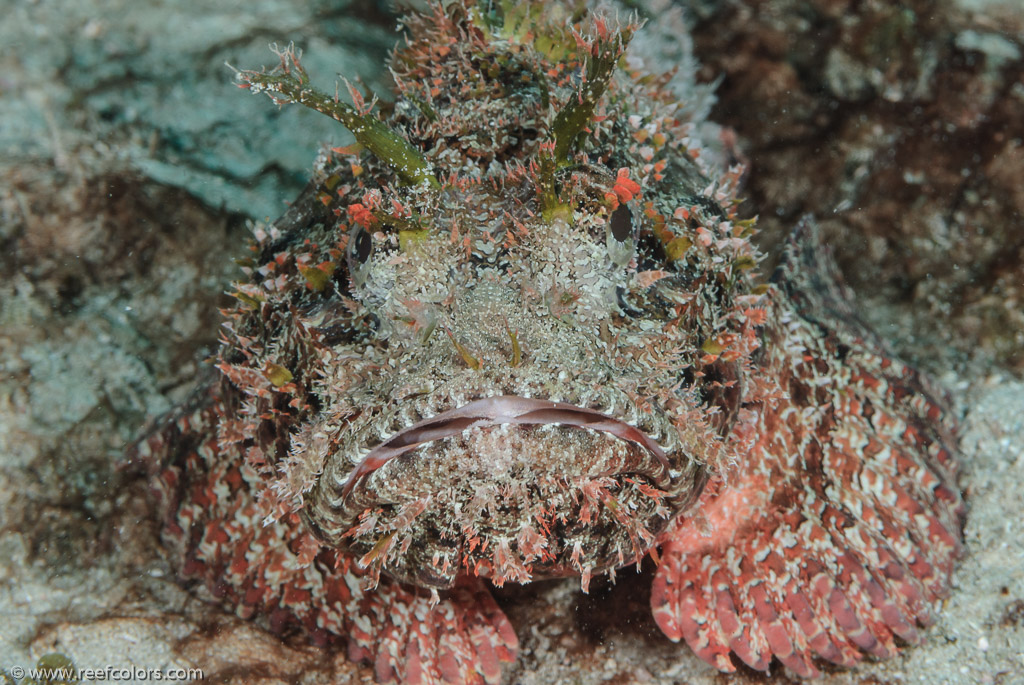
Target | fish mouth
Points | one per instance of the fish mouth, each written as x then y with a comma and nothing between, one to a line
501,409
506,487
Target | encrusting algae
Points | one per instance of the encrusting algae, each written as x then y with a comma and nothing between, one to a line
516,332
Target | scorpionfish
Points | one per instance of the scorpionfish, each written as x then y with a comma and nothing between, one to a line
516,332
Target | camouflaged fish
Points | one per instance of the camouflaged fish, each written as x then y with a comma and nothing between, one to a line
514,333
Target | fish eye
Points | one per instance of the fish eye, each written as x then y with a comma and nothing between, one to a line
363,246
360,247
622,223
620,240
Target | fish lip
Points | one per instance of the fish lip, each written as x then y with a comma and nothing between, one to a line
496,410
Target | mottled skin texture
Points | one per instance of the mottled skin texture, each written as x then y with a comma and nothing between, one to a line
520,336
838,531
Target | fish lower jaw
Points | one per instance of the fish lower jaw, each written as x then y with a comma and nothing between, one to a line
506,487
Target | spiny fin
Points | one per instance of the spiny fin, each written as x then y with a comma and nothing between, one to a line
276,569
839,530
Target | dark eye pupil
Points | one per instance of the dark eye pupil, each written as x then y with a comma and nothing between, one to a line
622,223
363,246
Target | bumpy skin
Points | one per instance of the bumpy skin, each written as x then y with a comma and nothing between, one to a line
518,335
839,528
